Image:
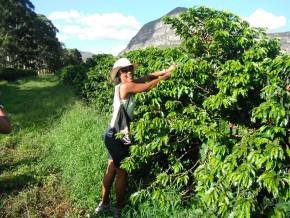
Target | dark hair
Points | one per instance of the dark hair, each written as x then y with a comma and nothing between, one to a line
117,79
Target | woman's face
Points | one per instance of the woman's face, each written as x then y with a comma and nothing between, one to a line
127,74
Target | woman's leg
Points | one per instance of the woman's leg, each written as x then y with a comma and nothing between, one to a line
108,181
121,180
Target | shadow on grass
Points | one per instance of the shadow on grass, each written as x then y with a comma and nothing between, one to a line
11,180
33,105
14,164
35,102
13,183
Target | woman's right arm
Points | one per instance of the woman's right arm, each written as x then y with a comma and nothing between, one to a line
134,87
155,75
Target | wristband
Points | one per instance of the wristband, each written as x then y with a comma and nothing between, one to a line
1,107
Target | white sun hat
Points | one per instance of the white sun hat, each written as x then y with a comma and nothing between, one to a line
120,63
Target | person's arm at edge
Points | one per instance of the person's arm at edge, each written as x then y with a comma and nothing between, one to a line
5,126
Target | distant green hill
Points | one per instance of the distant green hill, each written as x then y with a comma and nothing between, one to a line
86,55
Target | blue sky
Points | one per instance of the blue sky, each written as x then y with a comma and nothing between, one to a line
106,26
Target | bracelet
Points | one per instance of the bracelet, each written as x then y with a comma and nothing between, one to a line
1,107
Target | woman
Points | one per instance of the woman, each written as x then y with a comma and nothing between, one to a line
122,74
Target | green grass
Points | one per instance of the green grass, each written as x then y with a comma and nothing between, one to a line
52,164
77,150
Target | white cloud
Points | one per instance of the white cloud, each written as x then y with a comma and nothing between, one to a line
114,50
61,37
117,49
92,33
262,18
96,26
64,15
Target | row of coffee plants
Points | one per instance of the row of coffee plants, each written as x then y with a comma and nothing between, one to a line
218,130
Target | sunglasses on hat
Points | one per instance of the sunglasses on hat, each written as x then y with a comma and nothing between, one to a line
127,69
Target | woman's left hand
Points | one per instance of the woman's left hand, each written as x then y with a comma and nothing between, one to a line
171,68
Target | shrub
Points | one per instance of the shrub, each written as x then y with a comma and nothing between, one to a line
73,75
11,74
218,130
228,100
98,89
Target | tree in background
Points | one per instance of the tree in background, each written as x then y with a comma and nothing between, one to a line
71,57
27,40
49,49
96,59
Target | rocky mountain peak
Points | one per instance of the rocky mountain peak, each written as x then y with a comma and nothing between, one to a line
284,39
158,34
176,11
155,34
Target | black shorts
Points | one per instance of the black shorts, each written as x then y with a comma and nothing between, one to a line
109,155
117,150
